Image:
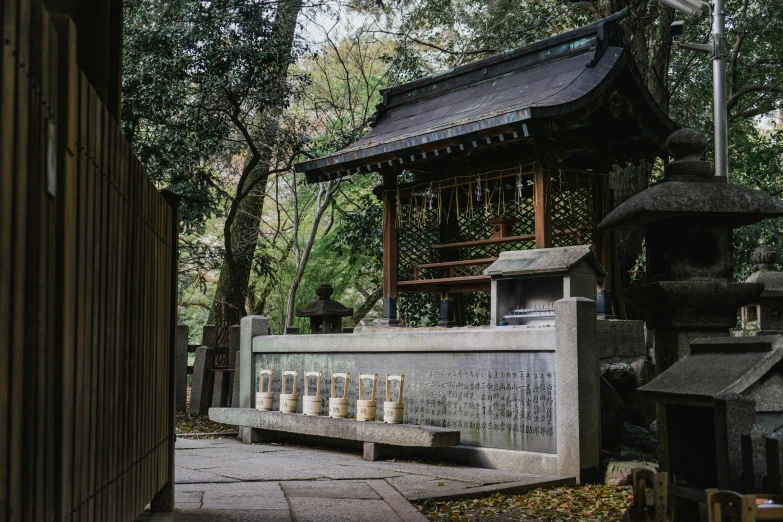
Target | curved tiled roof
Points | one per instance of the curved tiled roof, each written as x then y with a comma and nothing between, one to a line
492,99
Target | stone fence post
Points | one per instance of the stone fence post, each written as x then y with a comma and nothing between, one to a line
209,336
250,326
201,388
181,367
578,403
234,342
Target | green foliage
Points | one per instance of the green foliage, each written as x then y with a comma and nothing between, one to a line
418,309
755,83
189,64
359,234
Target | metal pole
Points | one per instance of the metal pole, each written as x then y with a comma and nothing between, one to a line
719,89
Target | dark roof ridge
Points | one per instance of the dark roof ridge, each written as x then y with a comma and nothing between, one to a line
574,34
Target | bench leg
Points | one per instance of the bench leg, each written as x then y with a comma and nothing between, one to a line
250,435
374,451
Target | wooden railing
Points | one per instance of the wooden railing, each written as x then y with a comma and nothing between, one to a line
87,293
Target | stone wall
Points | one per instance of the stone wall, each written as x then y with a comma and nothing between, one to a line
523,398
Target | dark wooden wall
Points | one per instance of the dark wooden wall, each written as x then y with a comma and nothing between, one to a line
87,292
99,48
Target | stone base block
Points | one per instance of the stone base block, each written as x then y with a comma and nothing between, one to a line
374,451
249,435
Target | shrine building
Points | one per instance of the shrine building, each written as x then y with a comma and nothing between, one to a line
506,153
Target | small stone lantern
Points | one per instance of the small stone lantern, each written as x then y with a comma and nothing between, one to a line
766,314
325,314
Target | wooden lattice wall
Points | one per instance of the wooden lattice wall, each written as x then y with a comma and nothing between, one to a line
451,211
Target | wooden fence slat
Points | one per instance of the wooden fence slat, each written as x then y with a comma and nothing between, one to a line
17,472
67,112
111,341
8,81
91,293
80,363
34,470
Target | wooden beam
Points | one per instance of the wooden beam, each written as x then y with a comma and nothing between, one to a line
543,208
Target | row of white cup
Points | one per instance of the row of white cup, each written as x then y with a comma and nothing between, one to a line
393,412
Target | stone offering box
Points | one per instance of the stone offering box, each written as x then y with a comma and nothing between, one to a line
523,398
526,283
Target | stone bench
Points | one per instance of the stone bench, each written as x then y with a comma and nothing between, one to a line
380,439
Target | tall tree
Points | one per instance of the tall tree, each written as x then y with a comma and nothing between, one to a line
206,85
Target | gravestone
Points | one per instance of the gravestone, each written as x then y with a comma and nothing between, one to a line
616,338
754,460
201,387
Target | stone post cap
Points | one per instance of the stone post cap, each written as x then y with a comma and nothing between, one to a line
686,144
764,257
687,147
324,291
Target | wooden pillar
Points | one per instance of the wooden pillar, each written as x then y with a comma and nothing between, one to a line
389,250
543,208
448,232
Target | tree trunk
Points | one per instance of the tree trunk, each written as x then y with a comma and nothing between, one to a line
302,257
651,55
230,299
624,183
369,302
228,305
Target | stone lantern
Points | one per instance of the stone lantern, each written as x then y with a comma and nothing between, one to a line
688,220
765,315
325,314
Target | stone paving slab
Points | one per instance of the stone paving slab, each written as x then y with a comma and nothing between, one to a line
416,485
329,489
273,472
225,480
306,509
397,502
237,515
185,476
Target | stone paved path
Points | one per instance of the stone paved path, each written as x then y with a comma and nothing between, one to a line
225,480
